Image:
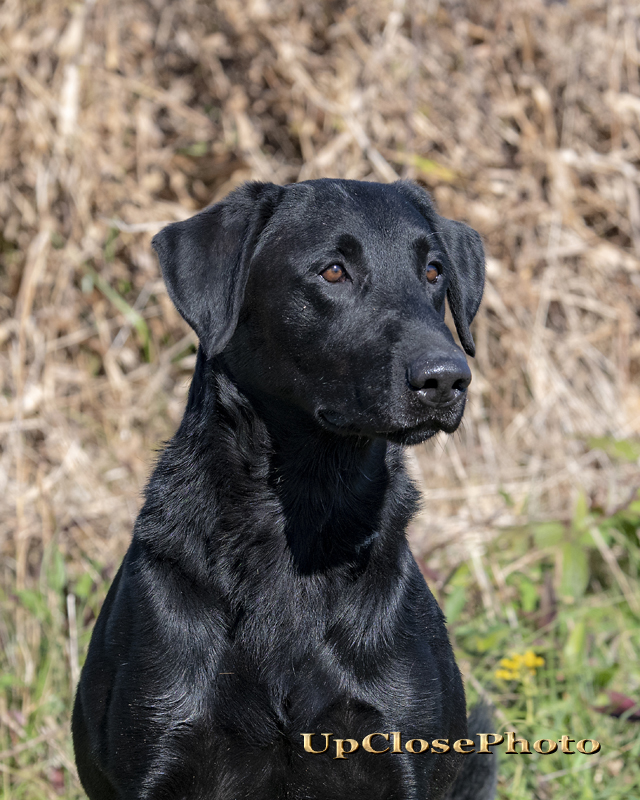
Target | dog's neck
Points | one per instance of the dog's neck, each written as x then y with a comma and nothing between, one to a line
327,494
332,488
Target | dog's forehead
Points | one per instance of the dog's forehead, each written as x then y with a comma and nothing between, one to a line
317,210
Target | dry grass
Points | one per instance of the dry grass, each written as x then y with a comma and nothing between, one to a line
523,118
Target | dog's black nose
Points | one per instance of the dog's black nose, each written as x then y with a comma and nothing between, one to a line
439,379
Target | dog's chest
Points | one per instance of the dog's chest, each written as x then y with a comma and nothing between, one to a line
286,690
252,733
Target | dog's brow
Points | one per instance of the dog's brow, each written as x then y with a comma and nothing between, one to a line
424,245
349,246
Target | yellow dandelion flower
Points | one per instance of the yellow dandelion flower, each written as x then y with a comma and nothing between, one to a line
517,666
511,663
531,660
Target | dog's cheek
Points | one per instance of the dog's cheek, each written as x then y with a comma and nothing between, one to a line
359,370
320,353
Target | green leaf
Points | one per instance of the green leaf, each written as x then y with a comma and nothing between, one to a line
508,499
110,245
490,641
34,602
427,168
130,314
9,681
197,149
621,449
574,648
454,603
57,572
549,534
83,586
603,677
580,513
575,572
585,539
528,595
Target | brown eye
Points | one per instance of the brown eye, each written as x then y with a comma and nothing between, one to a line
433,271
334,274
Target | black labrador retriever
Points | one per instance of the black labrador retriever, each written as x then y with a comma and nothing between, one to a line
269,591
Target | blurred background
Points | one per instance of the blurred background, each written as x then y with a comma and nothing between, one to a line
522,118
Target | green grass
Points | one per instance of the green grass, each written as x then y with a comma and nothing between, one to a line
567,602
561,598
36,758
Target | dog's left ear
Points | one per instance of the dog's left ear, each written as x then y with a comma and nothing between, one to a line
464,247
205,260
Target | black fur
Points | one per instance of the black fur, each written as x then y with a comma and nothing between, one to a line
269,590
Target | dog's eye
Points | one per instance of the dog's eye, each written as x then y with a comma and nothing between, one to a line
433,272
334,274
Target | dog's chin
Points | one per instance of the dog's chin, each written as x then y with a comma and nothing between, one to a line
411,437
404,433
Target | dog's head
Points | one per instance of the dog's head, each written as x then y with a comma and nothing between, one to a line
329,295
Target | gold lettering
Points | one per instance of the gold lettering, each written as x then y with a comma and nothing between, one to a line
397,742
409,746
307,742
537,746
595,747
366,743
564,741
512,741
485,744
340,743
440,746
460,743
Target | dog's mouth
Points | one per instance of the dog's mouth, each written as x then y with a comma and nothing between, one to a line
407,433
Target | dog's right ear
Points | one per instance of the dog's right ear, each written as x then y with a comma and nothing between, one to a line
205,260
